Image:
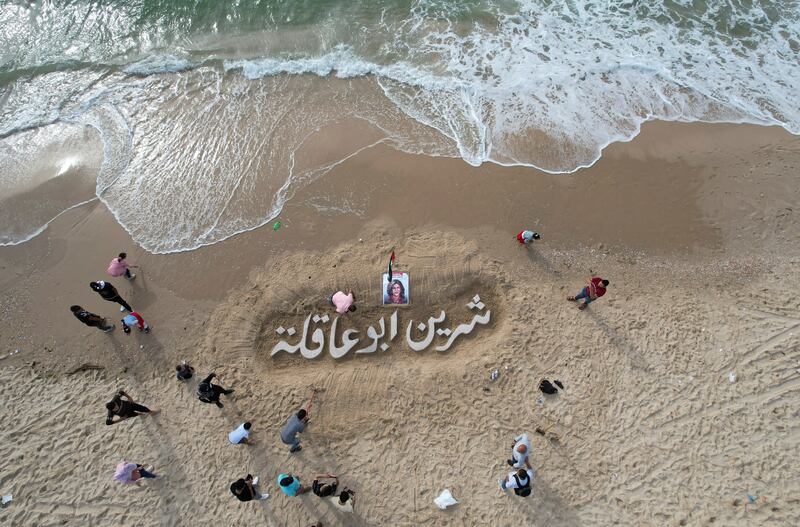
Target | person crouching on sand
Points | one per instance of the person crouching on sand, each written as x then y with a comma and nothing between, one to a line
132,472
245,489
134,319
344,303
526,237
595,288
120,267
90,319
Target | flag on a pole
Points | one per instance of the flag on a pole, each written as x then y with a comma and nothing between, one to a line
391,261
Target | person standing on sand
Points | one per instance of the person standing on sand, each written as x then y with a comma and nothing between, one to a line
245,489
241,435
343,303
526,237
519,480
131,473
520,451
125,409
595,288
120,267
90,319
294,425
109,292
209,393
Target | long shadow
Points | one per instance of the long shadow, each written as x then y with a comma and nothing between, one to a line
545,507
264,466
160,439
635,357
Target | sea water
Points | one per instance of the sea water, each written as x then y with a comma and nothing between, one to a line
195,118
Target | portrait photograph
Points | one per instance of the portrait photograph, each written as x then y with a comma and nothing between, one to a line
396,289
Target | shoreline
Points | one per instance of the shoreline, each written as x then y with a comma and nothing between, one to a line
694,225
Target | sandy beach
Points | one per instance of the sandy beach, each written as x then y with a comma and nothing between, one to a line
695,226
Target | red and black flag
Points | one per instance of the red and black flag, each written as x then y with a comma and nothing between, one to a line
391,261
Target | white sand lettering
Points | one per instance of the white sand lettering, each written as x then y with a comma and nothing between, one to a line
351,340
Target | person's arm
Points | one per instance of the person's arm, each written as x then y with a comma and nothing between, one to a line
110,419
351,293
528,464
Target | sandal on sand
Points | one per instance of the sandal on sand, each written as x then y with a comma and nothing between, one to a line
571,298
583,306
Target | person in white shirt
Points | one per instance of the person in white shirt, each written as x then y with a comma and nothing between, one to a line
520,481
520,452
344,501
240,435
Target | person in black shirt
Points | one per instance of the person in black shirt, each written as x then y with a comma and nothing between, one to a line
209,393
110,293
244,489
124,409
90,319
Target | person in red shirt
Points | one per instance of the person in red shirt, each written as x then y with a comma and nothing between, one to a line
595,288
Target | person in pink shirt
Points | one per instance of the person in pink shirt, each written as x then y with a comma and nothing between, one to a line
343,302
120,267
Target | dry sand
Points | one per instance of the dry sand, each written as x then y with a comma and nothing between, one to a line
695,226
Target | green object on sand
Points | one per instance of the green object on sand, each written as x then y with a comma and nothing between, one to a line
276,225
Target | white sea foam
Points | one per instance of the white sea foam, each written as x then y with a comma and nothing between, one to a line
157,64
195,155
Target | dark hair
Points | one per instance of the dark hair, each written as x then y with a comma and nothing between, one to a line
122,256
536,236
110,405
75,309
178,367
126,328
247,425
95,286
352,308
389,287
344,496
605,282
285,482
521,473
302,414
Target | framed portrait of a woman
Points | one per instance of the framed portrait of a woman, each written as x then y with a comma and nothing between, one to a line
395,289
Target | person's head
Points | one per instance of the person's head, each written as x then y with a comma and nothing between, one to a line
179,367
522,474
122,256
287,481
604,282
248,425
345,496
75,309
111,405
396,290
302,414
95,285
536,236
125,327
351,308
522,449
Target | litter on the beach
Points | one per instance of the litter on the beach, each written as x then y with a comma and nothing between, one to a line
494,375
731,377
445,499
7,499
